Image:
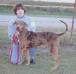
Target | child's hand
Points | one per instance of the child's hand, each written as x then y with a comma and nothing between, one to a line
15,37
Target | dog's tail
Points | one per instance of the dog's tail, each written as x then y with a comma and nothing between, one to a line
65,29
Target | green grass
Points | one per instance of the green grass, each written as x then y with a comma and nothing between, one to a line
43,65
8,10
44,61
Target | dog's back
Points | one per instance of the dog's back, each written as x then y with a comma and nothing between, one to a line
39,38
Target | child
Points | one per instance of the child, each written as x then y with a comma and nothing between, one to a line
15,55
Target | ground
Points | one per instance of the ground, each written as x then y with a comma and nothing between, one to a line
44,60
43,64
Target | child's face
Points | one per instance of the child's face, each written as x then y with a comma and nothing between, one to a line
20,12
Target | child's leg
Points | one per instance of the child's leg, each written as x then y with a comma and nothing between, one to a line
15,54
32,55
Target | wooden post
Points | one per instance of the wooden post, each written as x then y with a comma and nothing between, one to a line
72,27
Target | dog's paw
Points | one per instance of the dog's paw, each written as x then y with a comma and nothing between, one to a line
55,67
27,64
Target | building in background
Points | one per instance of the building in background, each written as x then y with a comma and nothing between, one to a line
41,0
64,1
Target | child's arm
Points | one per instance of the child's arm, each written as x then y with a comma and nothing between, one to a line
11,29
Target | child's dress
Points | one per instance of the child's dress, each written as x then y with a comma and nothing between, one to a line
15,51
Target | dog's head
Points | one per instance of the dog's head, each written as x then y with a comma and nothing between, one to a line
20,26
21,30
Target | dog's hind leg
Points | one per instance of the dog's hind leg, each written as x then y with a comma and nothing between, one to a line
55,55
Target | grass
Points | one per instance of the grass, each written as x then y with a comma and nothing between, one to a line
8,10
44,61
43,65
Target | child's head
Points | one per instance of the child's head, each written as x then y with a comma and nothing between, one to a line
19,10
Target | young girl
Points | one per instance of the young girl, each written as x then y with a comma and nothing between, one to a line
15,52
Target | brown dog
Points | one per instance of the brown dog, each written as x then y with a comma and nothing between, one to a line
28,39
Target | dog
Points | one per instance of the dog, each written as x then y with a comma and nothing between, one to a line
29,39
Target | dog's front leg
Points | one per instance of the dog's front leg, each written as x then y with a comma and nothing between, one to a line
28,57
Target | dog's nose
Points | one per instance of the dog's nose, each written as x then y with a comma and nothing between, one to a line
17,28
